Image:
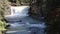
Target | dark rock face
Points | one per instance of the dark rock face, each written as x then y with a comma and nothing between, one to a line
19,2
38,7
52,18
50,9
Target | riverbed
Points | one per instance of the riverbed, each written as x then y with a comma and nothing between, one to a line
22,27
22,23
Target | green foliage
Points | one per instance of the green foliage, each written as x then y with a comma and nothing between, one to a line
2,25
18,2
3,8
27,1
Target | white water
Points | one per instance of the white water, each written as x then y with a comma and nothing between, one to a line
20,10
17,13
20,13
30,25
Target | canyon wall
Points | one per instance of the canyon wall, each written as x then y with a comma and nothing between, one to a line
50,10
37,8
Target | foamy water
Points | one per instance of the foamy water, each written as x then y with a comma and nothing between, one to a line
21,13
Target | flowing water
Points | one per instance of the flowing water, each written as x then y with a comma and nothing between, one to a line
21,23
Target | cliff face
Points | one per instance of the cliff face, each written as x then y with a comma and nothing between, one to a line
50,9
52,19
19,2
38,8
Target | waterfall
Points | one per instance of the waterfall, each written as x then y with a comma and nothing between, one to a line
17,12
21,13
20,10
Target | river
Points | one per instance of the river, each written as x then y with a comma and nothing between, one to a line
25,25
